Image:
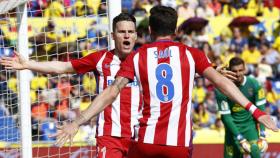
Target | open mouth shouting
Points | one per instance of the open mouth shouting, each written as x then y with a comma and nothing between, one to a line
127,45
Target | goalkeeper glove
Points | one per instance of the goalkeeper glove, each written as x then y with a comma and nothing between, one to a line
245,145
262,143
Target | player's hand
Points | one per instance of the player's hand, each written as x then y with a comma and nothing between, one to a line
16,63
65,132
268,122
228,74
245,145
262,144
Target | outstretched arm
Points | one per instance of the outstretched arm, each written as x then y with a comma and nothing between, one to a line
68,131
51,67
230,90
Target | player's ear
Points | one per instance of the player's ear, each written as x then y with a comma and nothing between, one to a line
113,35
135,37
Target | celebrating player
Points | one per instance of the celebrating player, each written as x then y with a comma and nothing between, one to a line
116,122
165,71
242,133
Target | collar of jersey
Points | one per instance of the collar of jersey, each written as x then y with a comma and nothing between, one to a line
244,81
164,40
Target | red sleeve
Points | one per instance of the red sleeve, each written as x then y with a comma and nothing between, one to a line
127,67
200,59
87,63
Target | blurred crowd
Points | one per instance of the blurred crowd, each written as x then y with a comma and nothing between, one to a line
59,98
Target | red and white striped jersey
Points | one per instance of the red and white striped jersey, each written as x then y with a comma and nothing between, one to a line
119,118
166,71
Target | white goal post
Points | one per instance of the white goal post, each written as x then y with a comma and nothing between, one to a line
24,103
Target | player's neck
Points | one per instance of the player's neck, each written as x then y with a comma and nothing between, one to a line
121,56
164,38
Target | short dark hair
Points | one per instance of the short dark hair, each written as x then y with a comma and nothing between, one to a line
123,17
236,61
163,20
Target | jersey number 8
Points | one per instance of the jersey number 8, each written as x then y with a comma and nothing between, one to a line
164,87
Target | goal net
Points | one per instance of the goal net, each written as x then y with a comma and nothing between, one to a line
58,30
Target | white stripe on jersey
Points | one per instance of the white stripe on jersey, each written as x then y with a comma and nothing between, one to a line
191,81
152,62
99,67
135,98
139,114
115,114
116,117
173,124
100,89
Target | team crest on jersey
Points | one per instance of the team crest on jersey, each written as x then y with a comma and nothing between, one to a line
250,91
166,53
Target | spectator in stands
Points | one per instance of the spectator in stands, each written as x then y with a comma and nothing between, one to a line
102,9
216,6
89,83
50,94
193,3
67,42
4,43
148,5
80,8
62,110
204,11
40,109
184,11
45,42
219,46
127,5
35,8
229,11
85,102
207,49
238,42
201,116
271,11
269,55
39,82
64,87
246,11
199,92
262,39
251,55
138,10
210,102
55,9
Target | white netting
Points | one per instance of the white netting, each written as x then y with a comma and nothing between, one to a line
57,30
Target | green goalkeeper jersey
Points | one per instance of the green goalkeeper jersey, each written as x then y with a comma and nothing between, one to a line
241,118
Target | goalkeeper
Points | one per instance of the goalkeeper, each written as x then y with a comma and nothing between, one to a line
242,132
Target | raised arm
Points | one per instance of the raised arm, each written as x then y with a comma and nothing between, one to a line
68,131
230,90
51,67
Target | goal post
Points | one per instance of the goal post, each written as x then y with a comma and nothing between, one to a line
24,84
114,9
27,31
